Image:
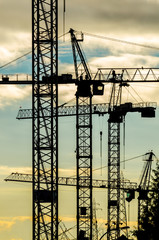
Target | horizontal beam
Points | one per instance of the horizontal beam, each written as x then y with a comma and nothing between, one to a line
67,181
105,75
99,108
127,75
64,111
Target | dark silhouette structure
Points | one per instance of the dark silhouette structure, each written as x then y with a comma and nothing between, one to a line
122,237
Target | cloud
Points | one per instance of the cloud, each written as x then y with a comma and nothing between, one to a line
22,218
5,225
11,93
133,21
8,222
16,239
15,15
10,50
67,93
67,172
122,17
124,61
7,170
67,219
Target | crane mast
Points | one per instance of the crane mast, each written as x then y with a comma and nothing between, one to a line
144,187
83,143
45,129
117,112
115,118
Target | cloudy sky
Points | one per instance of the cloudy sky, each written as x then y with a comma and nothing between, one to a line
127,20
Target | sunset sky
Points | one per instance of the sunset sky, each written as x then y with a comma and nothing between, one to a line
134,21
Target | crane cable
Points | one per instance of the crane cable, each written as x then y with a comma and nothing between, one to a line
131,95
64,18
14,60
121,161
136,93
88,34
121,41
24,55
124,143
101,141
129,159
63,104
128,213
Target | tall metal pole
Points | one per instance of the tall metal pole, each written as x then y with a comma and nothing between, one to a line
45,129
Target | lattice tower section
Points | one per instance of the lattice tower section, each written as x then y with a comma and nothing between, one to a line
84,167
113,176
45,128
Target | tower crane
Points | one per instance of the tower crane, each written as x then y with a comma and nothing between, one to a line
67,181
45,133
117,113
144,186
45,129
83,140
83,144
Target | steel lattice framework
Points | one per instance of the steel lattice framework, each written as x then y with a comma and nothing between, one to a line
67,181
115,118
84,169
113,174
117,111
63,111
45,125
84,142
144,187
45,129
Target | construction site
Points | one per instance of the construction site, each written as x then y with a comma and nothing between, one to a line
87,143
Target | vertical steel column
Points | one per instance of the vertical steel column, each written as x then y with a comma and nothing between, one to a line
45,129
113,177
115,118
83,142
84,167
